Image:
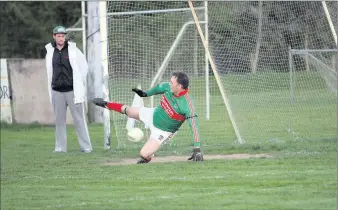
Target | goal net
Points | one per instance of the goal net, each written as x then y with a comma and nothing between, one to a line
320,62
250,43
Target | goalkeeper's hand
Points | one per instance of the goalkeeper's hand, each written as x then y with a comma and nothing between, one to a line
100,102
196,155
139,92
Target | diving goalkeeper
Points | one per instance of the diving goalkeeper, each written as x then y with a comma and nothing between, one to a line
164,121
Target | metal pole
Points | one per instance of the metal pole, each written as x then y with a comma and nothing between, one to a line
291,76
84,31
207,89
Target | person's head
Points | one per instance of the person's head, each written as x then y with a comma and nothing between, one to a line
179,82
59,35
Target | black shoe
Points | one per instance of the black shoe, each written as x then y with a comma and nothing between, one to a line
140,161
100,102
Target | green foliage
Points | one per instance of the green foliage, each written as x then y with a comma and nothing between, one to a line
26,27
139,42
234,32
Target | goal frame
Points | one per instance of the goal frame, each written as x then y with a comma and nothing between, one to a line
104,50
306,52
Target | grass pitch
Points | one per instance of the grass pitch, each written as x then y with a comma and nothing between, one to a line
301,175
299,137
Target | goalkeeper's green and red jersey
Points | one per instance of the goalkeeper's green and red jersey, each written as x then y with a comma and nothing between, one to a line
173,110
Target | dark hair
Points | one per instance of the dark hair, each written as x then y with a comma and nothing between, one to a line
182,78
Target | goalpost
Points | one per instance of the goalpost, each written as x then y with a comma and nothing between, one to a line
250,47
322,61
317,61
186,29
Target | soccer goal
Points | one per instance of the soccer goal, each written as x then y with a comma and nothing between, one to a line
237,55
320,62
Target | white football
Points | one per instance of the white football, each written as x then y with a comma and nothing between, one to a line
135,135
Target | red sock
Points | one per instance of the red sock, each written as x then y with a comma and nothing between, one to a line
114,106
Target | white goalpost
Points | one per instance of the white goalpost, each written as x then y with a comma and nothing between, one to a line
318,61
186,27
104,62
317,58
245,60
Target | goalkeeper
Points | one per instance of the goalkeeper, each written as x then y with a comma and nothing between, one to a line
175,107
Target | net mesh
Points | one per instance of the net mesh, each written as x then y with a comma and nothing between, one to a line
250,43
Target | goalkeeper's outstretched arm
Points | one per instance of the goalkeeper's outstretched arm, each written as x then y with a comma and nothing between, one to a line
191,116
158,89
192,119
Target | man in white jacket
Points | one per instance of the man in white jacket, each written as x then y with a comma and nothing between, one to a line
67,70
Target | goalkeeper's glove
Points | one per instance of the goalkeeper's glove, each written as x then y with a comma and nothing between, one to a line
196,155
139,92
100,102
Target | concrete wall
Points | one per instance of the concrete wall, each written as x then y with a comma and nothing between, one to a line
28,83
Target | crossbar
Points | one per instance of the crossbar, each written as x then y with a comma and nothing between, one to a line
304,51
151,11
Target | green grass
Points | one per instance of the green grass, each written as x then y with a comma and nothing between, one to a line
301,175
300,136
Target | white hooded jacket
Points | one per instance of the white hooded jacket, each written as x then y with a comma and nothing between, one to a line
80,70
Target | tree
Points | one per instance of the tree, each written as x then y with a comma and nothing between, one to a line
26,27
